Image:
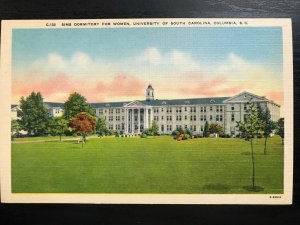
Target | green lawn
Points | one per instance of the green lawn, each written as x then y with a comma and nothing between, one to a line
152,165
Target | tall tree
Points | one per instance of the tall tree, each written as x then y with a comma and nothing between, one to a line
249,128
58,126
280,129
83,124
33,115
206,130
101,128
75,104
215,128
154,128
15,129
266,123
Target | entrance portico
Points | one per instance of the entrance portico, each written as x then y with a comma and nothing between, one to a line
137,117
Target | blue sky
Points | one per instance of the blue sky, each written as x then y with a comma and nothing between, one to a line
113,64
205,44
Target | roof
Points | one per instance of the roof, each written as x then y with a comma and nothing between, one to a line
149,86
54,104
109,104
163,102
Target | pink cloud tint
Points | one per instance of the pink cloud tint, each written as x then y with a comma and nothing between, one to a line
59,86
276,96
122,85
215,87
55,84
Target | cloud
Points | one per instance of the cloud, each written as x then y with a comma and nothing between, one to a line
59,86
173,73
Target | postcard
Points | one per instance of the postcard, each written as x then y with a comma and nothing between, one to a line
147,111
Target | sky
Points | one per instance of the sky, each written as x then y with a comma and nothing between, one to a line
117,64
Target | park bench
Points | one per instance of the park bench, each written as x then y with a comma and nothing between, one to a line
80,140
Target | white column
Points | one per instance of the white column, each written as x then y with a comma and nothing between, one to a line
139,118
126,122
146,119
132,120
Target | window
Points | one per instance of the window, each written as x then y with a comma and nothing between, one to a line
204,117
185,109
232,117
170,127
217,108
201,117
210,117
232,108
185,126
162,128
201,128
195,117
221,118
204,109
191,118
185,117
210,108
217,117
162,118
201,109
162,109
194,127
221,109
111,111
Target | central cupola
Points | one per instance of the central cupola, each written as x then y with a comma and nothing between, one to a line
149,93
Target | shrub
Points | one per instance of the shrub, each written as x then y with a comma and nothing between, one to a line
143,135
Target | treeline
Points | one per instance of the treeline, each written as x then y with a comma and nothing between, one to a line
78,118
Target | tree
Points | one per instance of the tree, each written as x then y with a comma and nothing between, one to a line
249,129
280,129
15,129
101,128
206,130
58,126
83,123
33,115
75,104
154,128
215,128
266,123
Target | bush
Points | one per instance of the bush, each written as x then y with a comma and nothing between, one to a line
186,136
148,132
143,135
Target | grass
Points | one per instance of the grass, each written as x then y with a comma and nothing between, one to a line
151,165
43,138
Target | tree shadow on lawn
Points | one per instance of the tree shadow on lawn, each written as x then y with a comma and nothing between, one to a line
216,188
256,188
249,153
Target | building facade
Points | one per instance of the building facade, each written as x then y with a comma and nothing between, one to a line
133,117
136,116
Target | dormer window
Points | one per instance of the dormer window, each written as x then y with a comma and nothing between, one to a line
164,102
212,101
